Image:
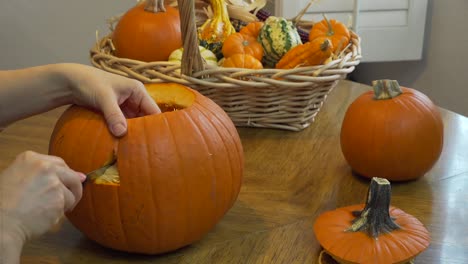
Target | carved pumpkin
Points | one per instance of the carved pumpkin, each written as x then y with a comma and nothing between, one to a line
392,132
178,172
372,233
147,32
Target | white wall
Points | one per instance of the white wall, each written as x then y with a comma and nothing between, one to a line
50,31
442,74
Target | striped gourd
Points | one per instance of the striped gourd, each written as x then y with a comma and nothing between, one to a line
207,55
277,37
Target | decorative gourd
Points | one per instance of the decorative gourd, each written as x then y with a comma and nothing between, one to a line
392,132
208,57
311,53
244,44
277,37
252,29
333,29
148,32
372,233
242,61
179,172
216,29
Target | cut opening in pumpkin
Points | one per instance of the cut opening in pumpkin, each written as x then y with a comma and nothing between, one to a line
171,96
110,176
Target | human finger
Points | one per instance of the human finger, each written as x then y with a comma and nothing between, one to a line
71,180
113,115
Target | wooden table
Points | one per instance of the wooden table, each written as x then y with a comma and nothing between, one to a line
290,178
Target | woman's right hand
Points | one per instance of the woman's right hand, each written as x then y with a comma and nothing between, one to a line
35,192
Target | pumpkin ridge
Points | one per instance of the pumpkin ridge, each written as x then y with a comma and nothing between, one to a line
210,168
232,196
228,198
154,228
186,232
123,232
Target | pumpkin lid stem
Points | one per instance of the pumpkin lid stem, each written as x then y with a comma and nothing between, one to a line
386,89
155,6
330,27
375,218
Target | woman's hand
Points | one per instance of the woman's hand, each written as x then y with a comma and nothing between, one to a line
29,91
35,191
115,96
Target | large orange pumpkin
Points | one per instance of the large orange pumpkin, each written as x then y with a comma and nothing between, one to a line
392,132
147,32
178,172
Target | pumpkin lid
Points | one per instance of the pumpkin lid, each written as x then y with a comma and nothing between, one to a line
372,233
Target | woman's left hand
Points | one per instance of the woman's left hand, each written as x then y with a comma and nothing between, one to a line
117,97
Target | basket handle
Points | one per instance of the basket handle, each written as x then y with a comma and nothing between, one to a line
191,58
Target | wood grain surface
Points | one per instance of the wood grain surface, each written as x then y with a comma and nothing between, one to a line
290,178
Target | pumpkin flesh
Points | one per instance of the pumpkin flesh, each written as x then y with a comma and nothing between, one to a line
179,172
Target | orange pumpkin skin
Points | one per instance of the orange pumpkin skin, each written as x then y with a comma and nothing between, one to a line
147,36
242,61
334,30
252,29
180,172
398,139
243,44
399,246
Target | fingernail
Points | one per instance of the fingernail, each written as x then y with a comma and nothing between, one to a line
118,129
82,176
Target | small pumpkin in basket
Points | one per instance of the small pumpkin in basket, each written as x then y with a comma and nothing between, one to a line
150,31
244,44
173,177
372,233
240,60
392,132
336,31
252,29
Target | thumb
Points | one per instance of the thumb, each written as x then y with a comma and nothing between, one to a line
114,117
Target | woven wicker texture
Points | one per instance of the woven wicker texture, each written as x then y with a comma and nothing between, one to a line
270,98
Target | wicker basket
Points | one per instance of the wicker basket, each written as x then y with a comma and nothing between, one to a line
268,98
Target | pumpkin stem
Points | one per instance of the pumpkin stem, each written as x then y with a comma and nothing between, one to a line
386,89
375,218
325,45
155,6
330,28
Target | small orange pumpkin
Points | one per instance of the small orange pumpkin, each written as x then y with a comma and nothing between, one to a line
252,29
372,233
392,132
178,172
147,32
244,44
242,61
333,29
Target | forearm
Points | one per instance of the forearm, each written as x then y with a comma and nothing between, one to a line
10,249
30,91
